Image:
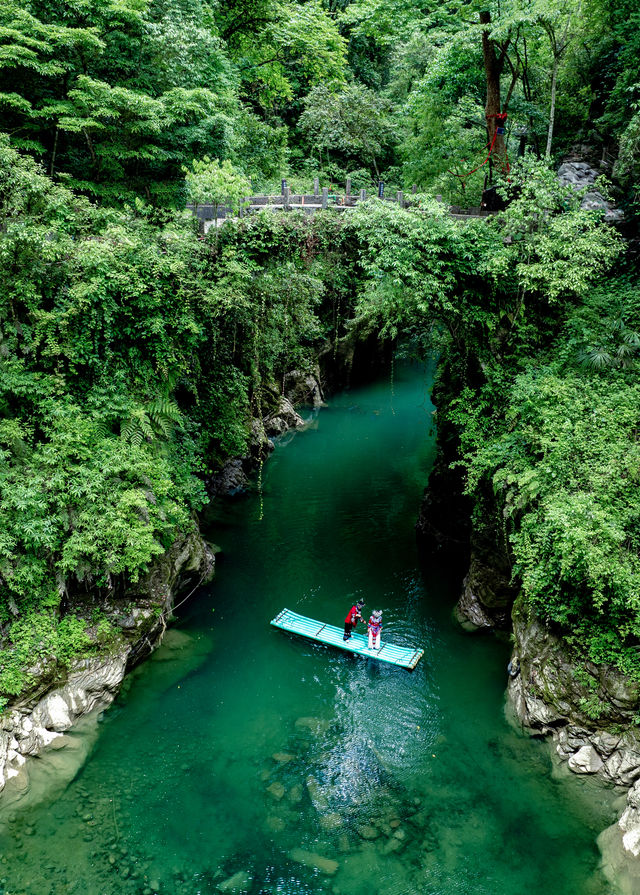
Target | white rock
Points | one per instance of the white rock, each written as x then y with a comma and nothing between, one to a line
623,766
45,736
633,797
585,761
629,819
631,841
53,712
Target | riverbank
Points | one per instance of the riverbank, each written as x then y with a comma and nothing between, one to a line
62,696
59,695
587,709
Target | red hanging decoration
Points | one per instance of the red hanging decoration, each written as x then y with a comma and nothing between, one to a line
501,118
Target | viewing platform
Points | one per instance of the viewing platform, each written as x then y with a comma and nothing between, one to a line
211,215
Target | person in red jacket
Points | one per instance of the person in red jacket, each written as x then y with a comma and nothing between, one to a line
352,619
374,627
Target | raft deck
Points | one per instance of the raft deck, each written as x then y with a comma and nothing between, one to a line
405,657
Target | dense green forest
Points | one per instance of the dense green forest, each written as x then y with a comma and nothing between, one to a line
135,353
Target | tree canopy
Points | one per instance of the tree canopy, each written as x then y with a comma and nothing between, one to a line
118,97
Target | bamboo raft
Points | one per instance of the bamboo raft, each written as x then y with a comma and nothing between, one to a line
330,635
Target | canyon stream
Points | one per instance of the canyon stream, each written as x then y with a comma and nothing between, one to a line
241,759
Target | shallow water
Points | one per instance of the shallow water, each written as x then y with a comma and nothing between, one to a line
238,753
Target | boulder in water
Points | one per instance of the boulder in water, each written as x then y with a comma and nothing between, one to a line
275,824
368,832
276,790
316,726
283,757
318,798
317,862
239,882
331,821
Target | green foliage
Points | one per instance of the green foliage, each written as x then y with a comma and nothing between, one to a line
417,264
562,458
40,641
555,247
209,182
353,123
134,357
134,354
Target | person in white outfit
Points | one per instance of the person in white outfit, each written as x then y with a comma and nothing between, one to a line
374,627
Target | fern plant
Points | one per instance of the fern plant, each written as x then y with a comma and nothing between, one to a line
151,422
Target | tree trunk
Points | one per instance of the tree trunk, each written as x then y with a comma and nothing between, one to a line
558,49
493,65
552,111
53,153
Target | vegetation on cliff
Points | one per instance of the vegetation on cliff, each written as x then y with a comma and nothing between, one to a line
135,353
133,360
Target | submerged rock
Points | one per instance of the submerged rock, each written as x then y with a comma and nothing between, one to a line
368,832
283,757
316,726
391,846
331,821
275,824
239,882
315,861
317,796
276,790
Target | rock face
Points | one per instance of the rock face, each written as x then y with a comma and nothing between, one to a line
304,388
581,175
299,388
33,724
552,695
283,418
487,596
231,479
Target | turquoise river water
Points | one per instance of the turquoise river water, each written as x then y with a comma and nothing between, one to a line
240,759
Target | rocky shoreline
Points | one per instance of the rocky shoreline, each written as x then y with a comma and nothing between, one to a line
33,724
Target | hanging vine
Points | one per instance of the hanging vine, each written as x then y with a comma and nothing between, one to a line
257,394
